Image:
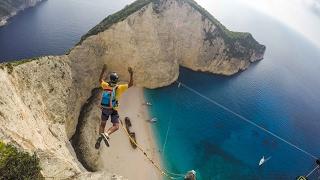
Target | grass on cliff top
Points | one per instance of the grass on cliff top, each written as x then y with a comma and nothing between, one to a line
10,65
15,164
116,17
229,36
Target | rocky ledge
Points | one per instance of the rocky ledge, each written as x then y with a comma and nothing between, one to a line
41,99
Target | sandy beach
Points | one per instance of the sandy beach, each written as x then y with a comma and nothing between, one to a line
120,157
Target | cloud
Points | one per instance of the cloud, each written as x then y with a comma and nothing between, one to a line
312,5
316,7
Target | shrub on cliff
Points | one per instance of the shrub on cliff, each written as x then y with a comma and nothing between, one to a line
15,164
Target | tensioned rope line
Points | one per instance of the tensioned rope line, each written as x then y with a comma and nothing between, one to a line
173,107
162,171
312,171
245,119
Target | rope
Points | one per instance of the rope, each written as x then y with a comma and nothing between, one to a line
162,171
246,119
169,124
312,171
165,141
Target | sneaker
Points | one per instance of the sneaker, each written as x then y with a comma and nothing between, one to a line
105,138
97,145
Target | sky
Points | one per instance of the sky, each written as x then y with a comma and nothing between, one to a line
301,15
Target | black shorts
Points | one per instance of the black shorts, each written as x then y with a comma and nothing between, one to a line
106,112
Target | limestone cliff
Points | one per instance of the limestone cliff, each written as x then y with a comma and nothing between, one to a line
36,112
41,99
159,36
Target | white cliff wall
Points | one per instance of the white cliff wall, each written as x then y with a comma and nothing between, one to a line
41,100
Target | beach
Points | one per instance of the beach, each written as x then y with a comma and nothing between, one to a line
120,157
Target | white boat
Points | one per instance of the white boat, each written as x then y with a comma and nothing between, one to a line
153,120
264,160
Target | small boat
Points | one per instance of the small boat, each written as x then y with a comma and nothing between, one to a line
264,160
191,175
153,120
147,104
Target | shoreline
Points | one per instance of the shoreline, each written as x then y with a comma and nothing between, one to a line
120,157
3,21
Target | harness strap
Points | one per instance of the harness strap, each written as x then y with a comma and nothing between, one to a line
113,93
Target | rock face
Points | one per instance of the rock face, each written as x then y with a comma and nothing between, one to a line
41,99
36,114
9,8
161,36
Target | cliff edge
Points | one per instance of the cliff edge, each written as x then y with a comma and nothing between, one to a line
41,99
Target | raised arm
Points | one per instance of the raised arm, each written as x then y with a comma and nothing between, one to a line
131,79
102,73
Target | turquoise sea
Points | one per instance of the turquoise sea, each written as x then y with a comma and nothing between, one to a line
281,93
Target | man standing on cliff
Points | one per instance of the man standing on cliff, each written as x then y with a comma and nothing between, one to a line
109,103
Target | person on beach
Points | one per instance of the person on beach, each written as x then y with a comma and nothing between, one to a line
109,103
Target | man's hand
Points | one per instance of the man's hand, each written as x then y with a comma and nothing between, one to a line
131,74
130,70
102,73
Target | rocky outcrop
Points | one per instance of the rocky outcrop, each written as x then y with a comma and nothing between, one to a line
9,8
163,35
35,114
86,133
41,100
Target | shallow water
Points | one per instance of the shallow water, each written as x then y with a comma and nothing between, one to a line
280,93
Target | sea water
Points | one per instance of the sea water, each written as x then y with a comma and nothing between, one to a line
52,27
280,94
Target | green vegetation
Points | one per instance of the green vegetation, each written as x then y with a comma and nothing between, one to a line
18,165
117,17
10,65
231,39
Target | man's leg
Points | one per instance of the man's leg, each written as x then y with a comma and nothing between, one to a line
101,130
102,126
113,129
115,122
104,136
104,117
